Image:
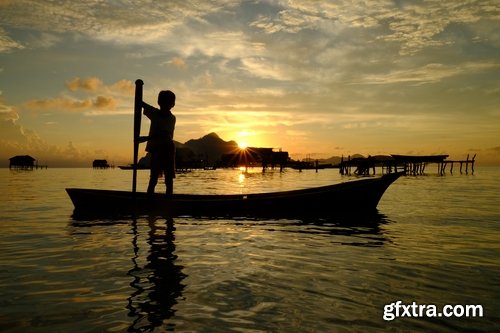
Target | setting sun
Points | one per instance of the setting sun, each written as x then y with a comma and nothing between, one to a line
243,138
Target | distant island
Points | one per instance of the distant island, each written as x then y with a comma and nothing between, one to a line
210,151
203,152
209,148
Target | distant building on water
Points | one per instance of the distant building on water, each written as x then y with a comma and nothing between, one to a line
254,156
24,162
100,164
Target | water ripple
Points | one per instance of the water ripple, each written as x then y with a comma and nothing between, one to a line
428,245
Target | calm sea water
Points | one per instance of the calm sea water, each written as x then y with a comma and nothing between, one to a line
434,241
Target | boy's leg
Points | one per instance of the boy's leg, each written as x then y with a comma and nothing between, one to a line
153,180
169,184
154,174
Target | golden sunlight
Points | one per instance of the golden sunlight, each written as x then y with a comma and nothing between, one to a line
242,145
244,137
241,177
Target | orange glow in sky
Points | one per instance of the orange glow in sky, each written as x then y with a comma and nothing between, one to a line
246,139
314,78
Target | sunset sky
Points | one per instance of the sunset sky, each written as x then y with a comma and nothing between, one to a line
315,78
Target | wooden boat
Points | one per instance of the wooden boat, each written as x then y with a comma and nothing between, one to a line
358,196
131,167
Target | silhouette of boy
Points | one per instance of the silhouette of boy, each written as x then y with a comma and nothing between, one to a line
160,143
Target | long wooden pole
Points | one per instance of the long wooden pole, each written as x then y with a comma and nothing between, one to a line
137,129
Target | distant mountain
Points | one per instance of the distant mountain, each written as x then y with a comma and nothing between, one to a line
208,149
331,160
211,147
336,159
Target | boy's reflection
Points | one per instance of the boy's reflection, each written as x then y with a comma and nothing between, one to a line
158,282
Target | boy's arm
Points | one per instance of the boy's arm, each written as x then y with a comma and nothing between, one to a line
142,139
148,110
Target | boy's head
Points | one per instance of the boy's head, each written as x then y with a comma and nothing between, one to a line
166,99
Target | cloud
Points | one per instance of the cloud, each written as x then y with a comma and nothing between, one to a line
7,112
9,129
215,43
287,20
89,84
266,68
101,99
414,26
7,44
302,40
137,22
125,87
16,139
286,63
70,104
104,102
428,73
176,62
94,84
43,40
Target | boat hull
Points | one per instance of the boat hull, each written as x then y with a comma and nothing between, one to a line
359,196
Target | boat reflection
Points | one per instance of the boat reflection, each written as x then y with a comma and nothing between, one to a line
156,277
364,231
157,280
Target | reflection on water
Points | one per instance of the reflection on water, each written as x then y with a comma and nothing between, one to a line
158,280
435,241
157,284
360,230
156,277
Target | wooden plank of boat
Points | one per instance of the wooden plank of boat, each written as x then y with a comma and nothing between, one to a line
358,196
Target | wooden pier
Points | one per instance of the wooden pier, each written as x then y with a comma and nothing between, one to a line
409,164
363,165
467,162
